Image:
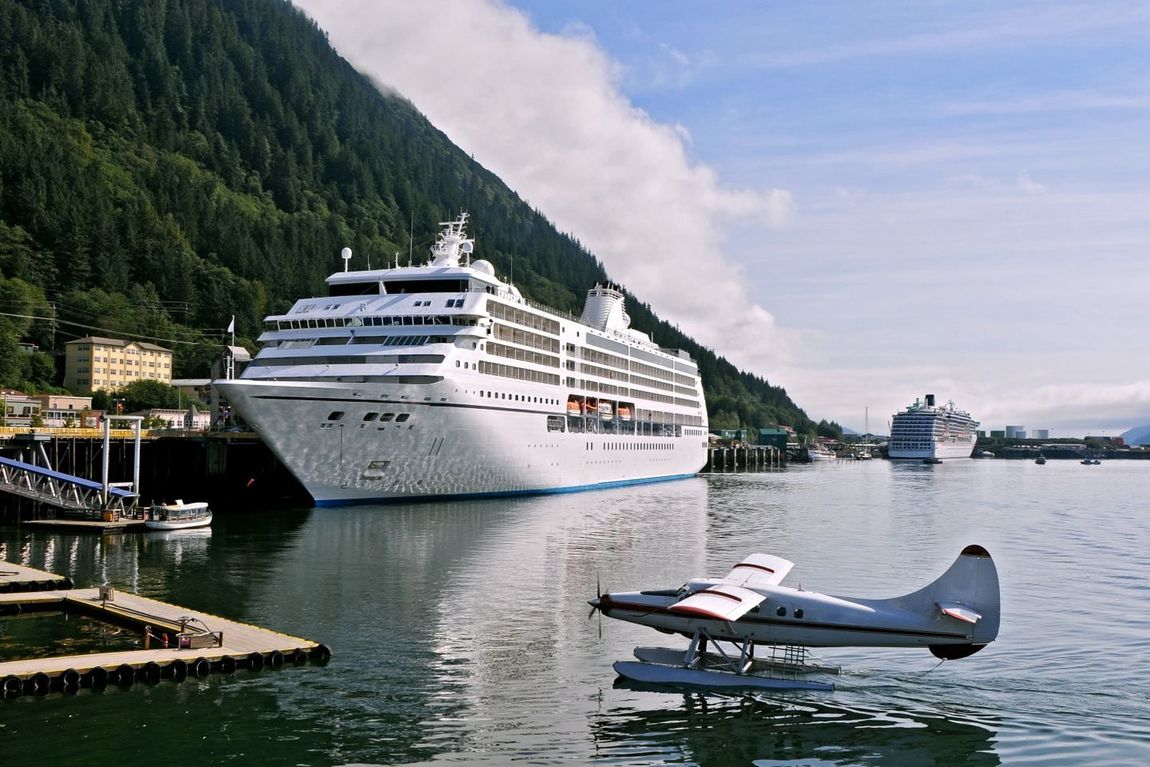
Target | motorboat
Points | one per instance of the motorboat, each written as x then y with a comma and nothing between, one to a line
178,515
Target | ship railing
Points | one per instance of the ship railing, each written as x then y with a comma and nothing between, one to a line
507,295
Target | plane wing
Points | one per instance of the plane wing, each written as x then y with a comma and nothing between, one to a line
722,601
759,571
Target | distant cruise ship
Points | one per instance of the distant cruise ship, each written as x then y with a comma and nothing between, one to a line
442,380
926,430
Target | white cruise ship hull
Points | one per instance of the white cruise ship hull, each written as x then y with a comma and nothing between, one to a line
959,448
449,444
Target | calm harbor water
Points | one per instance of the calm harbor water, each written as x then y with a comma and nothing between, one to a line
460,630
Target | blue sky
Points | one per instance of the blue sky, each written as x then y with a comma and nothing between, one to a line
862,202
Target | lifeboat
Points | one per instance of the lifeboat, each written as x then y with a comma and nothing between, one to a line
573,407
606,411
624,412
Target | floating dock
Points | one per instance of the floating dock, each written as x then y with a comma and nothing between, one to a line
17,578
198,644
118,525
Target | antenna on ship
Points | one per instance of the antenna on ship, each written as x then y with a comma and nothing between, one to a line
345,254
410,239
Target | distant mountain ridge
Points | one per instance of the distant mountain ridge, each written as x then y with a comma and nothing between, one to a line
165,165
1138,435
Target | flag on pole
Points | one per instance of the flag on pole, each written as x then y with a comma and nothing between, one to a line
232,325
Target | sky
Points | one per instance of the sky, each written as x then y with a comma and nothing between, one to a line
862,202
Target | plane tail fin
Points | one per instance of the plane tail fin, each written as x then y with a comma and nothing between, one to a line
967,594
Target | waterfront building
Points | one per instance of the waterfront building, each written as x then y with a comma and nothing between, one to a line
94,363
60,410
17,408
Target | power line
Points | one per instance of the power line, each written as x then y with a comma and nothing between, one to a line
102,330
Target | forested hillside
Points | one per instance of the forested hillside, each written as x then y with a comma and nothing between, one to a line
166,164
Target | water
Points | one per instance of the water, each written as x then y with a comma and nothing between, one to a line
460,630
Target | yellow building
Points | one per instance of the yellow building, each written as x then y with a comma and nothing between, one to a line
109,363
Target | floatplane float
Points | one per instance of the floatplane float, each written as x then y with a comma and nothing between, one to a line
726,618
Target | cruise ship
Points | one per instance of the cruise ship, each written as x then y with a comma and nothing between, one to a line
930,431
442,380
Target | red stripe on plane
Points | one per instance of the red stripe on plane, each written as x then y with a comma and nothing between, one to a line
717,594
757,567
697,611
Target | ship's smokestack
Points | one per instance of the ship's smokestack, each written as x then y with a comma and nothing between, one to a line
930,400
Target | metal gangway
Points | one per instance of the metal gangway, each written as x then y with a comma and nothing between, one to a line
71,493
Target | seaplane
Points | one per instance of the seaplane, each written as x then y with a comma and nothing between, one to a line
726,618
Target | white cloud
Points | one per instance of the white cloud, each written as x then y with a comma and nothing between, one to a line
1062,101
974,29
1029,185
544,112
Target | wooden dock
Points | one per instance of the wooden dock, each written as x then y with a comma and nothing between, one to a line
198,644
119,525
744,458
17,578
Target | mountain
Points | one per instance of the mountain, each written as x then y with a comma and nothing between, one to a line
167,164
1138,435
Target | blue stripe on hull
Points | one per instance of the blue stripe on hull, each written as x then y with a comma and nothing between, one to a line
330,502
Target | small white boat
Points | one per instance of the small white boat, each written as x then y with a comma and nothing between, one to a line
818,452
178,515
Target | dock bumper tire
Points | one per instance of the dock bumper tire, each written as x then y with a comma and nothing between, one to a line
320,654
177,670
70,679
227,665
98,678
200,668
149,673
125,675
255,661
276,659
37,684
12,686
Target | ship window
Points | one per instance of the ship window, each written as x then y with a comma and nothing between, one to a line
402,417
370,416
386,417
335,415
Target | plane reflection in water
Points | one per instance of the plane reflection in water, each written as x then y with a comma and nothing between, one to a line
754,730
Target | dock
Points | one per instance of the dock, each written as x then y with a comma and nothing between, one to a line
115,525
744,458
19,579
177,643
